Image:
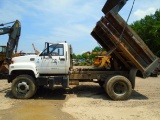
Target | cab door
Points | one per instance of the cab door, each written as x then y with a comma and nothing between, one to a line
52,61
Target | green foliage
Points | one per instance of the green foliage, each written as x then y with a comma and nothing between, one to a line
88,56
97,49
79,57
85,58
148,29
74,56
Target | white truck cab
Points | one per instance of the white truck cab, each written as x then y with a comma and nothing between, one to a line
54,59
50,67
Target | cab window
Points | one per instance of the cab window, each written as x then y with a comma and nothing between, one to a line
54,50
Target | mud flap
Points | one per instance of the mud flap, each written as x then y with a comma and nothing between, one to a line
132,76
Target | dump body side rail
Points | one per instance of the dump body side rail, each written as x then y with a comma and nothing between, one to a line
130,49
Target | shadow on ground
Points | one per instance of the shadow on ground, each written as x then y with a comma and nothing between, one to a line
137,96
89,91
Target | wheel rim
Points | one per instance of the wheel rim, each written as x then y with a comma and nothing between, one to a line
22,87
120,88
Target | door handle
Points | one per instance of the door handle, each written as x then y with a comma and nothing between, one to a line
61,59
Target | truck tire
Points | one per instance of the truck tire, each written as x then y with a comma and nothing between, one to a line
118,87
23,87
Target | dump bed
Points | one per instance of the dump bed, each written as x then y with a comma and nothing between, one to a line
127,46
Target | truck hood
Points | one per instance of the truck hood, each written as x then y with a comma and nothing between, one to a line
27,58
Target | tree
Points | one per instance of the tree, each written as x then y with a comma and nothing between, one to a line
79,57
97,49
74,56
148,29
84,56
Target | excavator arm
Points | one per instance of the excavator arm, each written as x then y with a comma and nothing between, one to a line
36,51
14,33
4,30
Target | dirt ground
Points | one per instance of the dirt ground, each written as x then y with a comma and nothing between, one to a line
85,102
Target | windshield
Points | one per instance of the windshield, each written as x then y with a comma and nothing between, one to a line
54,50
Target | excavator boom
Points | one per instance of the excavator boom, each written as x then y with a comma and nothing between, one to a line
14,33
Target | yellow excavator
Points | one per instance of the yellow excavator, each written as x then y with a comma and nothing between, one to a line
101,60
7,52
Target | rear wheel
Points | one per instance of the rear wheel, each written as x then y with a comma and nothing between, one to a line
118,87
23,87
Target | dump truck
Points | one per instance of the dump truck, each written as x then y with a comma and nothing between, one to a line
53,66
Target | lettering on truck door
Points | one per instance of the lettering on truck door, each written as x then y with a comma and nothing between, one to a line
54,62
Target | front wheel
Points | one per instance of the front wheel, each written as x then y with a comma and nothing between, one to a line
118,87
23,87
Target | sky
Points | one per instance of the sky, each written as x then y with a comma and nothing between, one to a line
63,20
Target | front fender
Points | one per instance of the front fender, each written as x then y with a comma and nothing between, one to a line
23,66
